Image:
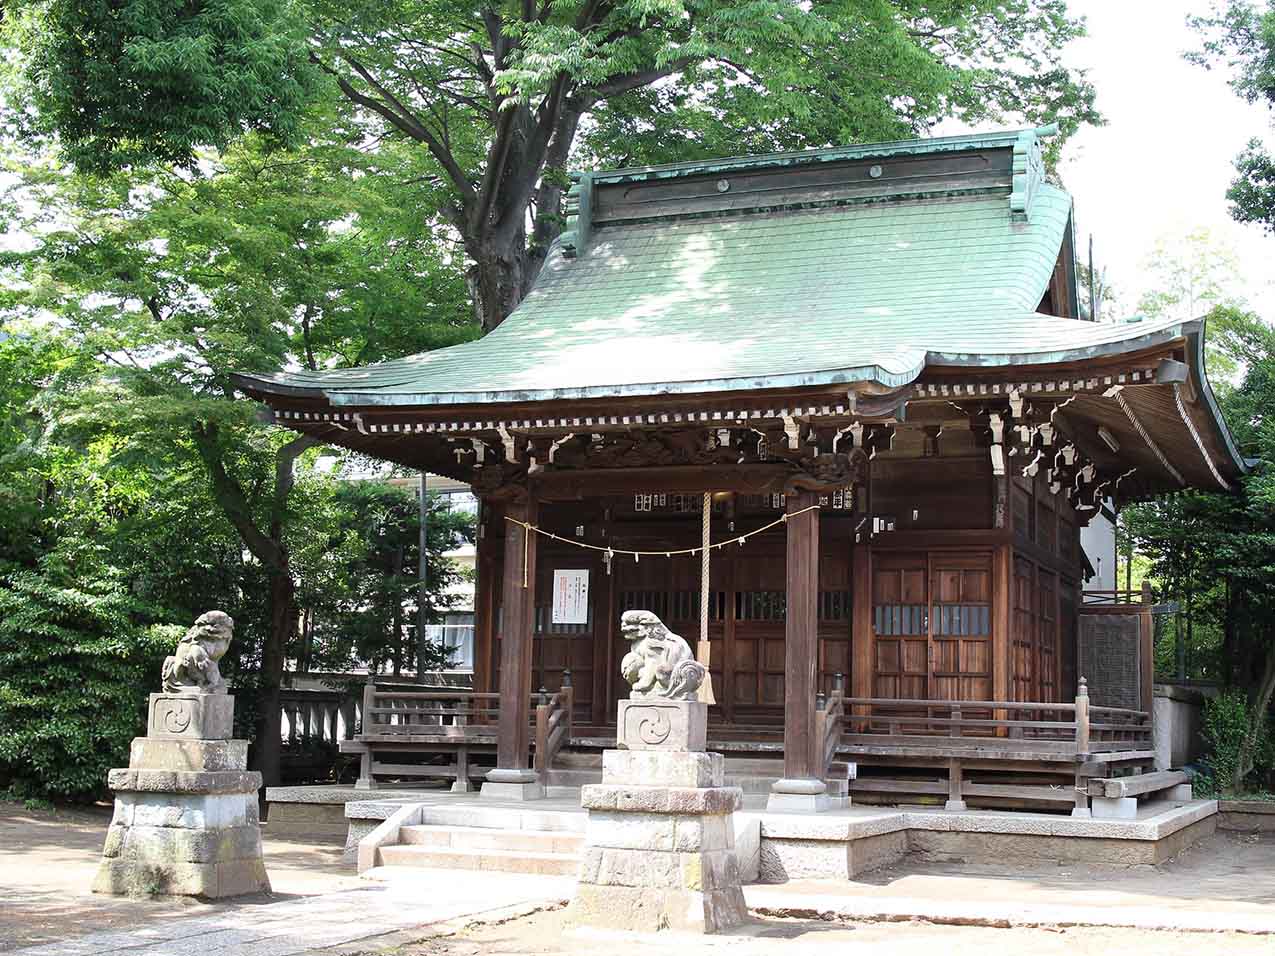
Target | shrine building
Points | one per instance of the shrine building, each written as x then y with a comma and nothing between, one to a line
872,361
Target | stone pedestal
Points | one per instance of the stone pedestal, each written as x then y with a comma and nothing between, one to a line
504,784
186,820
659,850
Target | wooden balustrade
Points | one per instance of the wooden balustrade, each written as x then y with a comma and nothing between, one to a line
553,723
390,711
1081,726
829,714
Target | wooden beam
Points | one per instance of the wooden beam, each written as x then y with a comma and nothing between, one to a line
593,482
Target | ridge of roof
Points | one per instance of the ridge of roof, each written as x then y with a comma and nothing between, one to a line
659,198
828,154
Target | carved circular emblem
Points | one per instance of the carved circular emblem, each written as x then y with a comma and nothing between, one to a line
875,172
654,727
177,716
723,185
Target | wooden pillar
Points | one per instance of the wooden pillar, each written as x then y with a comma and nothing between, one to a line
512,778
1146,651
861,657
803,785
1002,616
487,565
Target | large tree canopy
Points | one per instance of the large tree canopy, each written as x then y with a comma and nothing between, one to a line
166,281
1242,36
498,93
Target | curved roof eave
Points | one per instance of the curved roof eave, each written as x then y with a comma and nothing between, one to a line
1194,332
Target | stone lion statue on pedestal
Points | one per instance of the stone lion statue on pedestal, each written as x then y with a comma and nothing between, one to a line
193,668
659,664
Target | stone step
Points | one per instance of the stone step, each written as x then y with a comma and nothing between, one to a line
529,817
488,838
453,858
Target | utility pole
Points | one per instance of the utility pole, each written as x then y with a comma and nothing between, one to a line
1093,301
422,594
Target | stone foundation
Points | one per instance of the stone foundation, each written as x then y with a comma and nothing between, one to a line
834,846
185,820
659,850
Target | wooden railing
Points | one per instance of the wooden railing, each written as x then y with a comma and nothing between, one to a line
1085,728
829,713
390,711
553,723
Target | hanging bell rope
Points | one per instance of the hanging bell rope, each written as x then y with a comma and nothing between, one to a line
702,652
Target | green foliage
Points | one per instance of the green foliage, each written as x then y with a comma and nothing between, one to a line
130,82
1215,555
125,446
369,620
74,672
1233,732
1241,35
492,94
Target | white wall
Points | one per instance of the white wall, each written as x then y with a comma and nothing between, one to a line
1098,539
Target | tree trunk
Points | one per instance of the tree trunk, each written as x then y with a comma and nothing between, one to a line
496,279
269,738
1259,704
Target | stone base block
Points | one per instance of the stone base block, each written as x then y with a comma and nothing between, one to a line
653,799
462,786
183,844
794,859
1113,808
646,909
165,753
955,806
1181,793
191,716
136,876
648,724
801,803
747,846
608,829
495,790
663,767
185,811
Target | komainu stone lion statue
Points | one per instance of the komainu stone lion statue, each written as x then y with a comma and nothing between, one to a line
193,669
659,663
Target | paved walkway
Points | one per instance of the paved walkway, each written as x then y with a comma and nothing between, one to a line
46,909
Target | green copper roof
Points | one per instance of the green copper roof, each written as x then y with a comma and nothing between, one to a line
869,290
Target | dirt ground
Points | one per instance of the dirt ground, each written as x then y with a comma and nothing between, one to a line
48,859
550,934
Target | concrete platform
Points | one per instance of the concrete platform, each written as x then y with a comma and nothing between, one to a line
844,843
316,813
840,844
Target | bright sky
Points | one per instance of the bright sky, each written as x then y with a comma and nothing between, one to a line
1162,164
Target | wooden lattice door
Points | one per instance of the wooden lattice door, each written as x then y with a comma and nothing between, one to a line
900,628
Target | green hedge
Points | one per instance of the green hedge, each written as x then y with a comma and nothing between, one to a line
75,671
